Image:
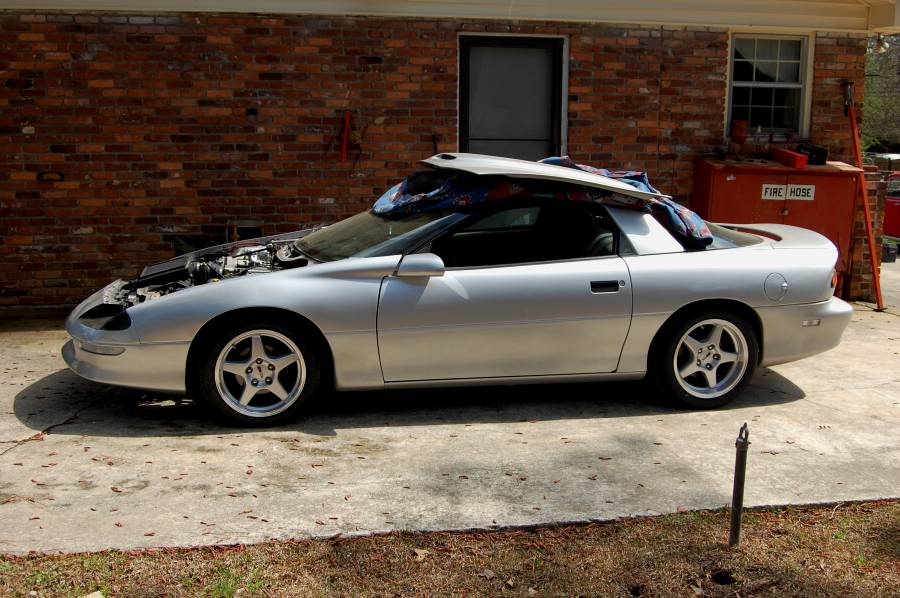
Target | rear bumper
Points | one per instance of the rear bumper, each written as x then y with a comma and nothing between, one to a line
790,332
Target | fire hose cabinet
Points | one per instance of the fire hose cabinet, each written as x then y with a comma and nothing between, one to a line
820,198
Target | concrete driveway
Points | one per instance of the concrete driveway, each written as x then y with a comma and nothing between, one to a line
890,286
87,467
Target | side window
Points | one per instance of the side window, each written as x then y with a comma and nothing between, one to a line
511,218
555,230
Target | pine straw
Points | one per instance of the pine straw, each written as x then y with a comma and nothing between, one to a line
844,550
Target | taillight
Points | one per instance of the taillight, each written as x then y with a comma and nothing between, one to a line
834,278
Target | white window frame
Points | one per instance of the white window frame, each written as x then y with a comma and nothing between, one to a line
807,48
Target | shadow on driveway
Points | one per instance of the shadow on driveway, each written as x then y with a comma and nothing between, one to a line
70,405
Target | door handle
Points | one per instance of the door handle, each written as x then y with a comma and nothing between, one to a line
604,286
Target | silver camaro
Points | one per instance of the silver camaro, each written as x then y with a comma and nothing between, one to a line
519,290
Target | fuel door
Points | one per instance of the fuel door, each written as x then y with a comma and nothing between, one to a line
776,287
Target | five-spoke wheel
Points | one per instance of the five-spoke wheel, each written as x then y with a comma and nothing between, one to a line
705,360
711,358
258,373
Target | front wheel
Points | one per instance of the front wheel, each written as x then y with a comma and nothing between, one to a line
707,360
258,374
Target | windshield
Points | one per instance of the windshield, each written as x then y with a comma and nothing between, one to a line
369,235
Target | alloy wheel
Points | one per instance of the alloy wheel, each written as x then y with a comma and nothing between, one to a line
260,373
711,358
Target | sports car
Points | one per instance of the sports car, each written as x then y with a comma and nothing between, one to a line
474,270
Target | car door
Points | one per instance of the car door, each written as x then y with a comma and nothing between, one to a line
482,319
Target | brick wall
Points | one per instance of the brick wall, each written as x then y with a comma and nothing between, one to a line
838,58
118,131
862,283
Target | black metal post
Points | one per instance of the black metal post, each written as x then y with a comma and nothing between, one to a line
737,495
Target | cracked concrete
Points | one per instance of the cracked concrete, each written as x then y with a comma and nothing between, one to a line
87,467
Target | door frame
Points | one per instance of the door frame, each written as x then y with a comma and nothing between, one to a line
559,44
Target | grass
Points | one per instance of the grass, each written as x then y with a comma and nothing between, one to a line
847,550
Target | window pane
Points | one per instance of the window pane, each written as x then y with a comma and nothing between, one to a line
787,97
561,230
767,77
510,92
516,217
789,72
743,48
767,49
766,71
784,118
740,96
743,70
760,117
761,96
511,148
790,49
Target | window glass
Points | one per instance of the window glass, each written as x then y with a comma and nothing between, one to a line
766,49
790,49
767,82
744,48
726,238
368,234
551,231
510,96
512,218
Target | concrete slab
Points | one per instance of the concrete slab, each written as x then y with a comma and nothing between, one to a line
890,286
88,467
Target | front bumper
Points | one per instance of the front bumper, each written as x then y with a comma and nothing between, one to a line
155,366
159,367
786,338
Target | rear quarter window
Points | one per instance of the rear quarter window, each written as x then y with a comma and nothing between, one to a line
726,238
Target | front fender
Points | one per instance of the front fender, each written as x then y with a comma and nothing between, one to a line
339,298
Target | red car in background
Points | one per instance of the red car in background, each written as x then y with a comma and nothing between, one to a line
892,206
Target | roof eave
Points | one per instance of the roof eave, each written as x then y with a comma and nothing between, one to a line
859,16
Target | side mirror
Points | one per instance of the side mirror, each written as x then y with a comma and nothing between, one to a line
420,265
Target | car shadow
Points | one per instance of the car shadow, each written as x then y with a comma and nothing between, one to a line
66,404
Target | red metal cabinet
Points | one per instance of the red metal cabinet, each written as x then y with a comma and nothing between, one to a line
820,198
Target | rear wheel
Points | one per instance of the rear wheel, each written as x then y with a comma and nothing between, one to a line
258,374
707,360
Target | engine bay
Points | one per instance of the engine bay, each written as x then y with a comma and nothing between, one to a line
256,256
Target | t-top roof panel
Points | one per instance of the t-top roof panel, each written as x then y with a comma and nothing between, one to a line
523,169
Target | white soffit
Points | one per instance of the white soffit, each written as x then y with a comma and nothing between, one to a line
884,16
859,16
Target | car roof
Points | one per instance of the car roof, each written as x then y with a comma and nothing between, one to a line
480,164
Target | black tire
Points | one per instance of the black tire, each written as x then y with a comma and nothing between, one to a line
684,390
206,385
